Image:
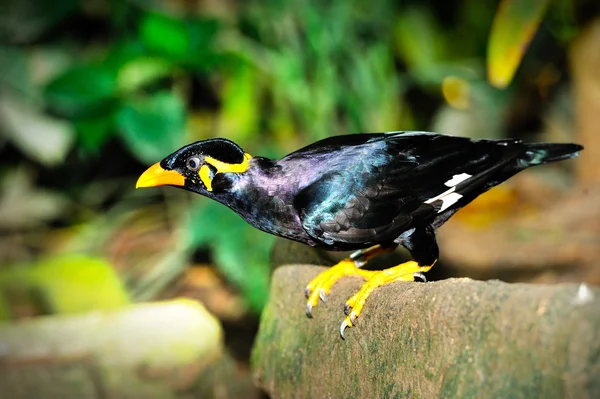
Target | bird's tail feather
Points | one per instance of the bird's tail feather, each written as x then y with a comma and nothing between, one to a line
540,153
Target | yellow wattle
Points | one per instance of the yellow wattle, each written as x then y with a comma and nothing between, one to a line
205,177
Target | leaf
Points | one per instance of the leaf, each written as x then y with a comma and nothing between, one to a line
92,133
456,92
240,110
514,25
165,34
152,126
71,283
139,72
420,43
81,89
180,40
45,139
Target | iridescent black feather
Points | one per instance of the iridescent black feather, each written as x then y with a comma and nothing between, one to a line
352,192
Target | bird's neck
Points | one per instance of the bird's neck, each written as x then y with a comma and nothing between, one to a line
263,194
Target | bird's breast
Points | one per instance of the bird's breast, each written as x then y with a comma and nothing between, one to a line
266,201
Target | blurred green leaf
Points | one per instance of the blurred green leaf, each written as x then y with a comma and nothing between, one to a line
181,40
81,89
240,106
69,283
241,252
420,43
139,72
561,19
152,126
15,67
123,51
515,23
165,35
377,89
92,133
79,283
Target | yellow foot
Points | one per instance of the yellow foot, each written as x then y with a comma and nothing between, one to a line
319,286
403,272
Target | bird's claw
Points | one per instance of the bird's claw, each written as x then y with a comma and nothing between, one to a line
308,310
343,327
319,287
349,322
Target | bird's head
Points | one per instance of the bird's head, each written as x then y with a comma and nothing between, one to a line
203,167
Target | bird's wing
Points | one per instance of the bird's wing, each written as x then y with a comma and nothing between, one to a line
398,179
335,211
360,204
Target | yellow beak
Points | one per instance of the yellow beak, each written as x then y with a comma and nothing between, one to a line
157,176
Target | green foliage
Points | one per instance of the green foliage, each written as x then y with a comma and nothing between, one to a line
81,89
240,251
270,75
152,126
240,110
182,40
143,71
66,284
421,43
93,131
165,35
129,90
326,75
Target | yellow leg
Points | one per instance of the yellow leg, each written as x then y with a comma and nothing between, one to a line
319,287
403,272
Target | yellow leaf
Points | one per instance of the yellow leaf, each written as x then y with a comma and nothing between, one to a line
456,92
514,25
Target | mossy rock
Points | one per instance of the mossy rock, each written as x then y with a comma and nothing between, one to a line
456,338
160,350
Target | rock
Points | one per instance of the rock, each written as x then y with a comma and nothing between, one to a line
160,350
453,338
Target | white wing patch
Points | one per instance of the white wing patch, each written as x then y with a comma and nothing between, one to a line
457,179
448,198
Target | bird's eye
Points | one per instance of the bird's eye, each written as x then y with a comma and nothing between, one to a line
193,163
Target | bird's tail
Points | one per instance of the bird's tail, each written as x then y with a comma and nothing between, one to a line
540,153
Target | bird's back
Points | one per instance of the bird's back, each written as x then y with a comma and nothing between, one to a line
369,188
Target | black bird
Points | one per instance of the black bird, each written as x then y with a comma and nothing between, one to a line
364,192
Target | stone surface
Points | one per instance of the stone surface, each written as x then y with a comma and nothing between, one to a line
454,338
160,350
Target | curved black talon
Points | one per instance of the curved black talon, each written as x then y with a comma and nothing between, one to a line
308,310
307,292
421,276
347,309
